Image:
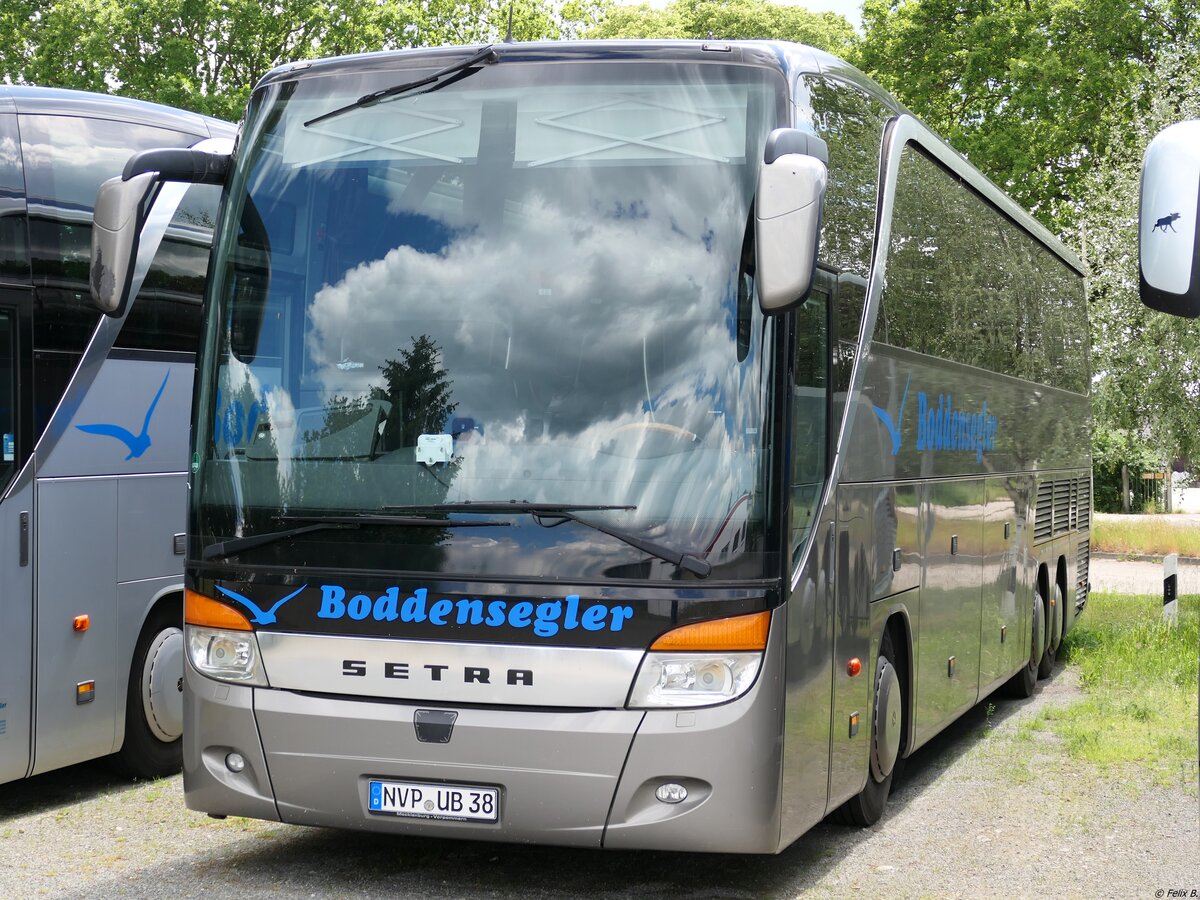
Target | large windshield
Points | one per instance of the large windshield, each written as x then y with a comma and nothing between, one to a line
533,283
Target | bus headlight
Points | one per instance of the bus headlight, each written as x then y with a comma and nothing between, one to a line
702,664
673,679
226,655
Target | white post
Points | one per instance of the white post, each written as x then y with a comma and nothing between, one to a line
1171,589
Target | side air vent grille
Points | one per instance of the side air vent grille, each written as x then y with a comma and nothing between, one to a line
1082,559
1063,489
1063,505
1043,525
1084,503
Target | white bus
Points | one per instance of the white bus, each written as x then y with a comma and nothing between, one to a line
94,415
627,445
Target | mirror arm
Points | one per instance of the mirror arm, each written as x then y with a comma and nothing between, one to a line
179,164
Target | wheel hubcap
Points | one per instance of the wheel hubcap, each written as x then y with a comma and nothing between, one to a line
888,721
1056,619
1035,650
162,685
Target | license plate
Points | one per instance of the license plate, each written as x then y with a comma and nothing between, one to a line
458,802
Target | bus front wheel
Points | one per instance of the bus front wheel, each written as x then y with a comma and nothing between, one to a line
153,744
887,723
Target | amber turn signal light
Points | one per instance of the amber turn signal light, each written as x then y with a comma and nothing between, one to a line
201,610
720,635
82,623
854,667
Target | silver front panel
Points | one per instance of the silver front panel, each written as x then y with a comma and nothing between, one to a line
1003,644
16,640
950,604
859,509
570,777
439,672
151,510
77,574
808,672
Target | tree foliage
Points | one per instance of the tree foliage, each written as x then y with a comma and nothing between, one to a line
729,20
206,55
1146,364
1027,89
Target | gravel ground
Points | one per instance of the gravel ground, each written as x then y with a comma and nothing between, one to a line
980,812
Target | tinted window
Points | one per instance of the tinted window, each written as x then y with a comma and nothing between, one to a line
66,159
851,122
809,416
51,373
8,396
166,315
14,250
967,284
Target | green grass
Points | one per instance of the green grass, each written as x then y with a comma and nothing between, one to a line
1146,536
1140,677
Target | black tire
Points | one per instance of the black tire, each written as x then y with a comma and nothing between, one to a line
866,808
1054,631
1022,684
153,746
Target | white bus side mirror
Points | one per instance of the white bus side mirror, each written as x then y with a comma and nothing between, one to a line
1168,239
122,205
116,226
787,216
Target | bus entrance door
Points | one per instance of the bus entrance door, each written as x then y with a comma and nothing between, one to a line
16,605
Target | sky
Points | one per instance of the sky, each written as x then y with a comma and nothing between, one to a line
851,9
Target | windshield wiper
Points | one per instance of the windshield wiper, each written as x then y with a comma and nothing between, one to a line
486,55
564,512
328,523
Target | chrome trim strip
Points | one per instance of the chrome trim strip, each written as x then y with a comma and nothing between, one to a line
437,672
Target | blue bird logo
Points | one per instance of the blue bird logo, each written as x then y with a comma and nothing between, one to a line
137,443
894,430
260,617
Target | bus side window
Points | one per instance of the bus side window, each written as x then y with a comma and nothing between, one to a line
14,241
166,314
809,412
66,160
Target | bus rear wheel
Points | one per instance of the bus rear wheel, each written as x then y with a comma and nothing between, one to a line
1054,631
1022,684
153,744
887,724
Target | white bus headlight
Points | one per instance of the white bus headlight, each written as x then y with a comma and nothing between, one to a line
673,679
226,655
702,664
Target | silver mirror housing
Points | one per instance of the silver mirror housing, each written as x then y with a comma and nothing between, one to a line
1168,237
116,227
787,217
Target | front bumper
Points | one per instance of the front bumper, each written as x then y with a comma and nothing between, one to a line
567,777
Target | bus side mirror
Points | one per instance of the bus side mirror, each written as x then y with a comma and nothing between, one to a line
122,206
787,216
1168,239
116,227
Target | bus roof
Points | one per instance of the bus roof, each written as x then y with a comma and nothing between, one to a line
35,100
790,59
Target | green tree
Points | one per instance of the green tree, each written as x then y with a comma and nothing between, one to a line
1026,89
206,55
1146,364
419,388
727,19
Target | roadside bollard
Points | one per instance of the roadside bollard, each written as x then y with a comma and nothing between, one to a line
1171,589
